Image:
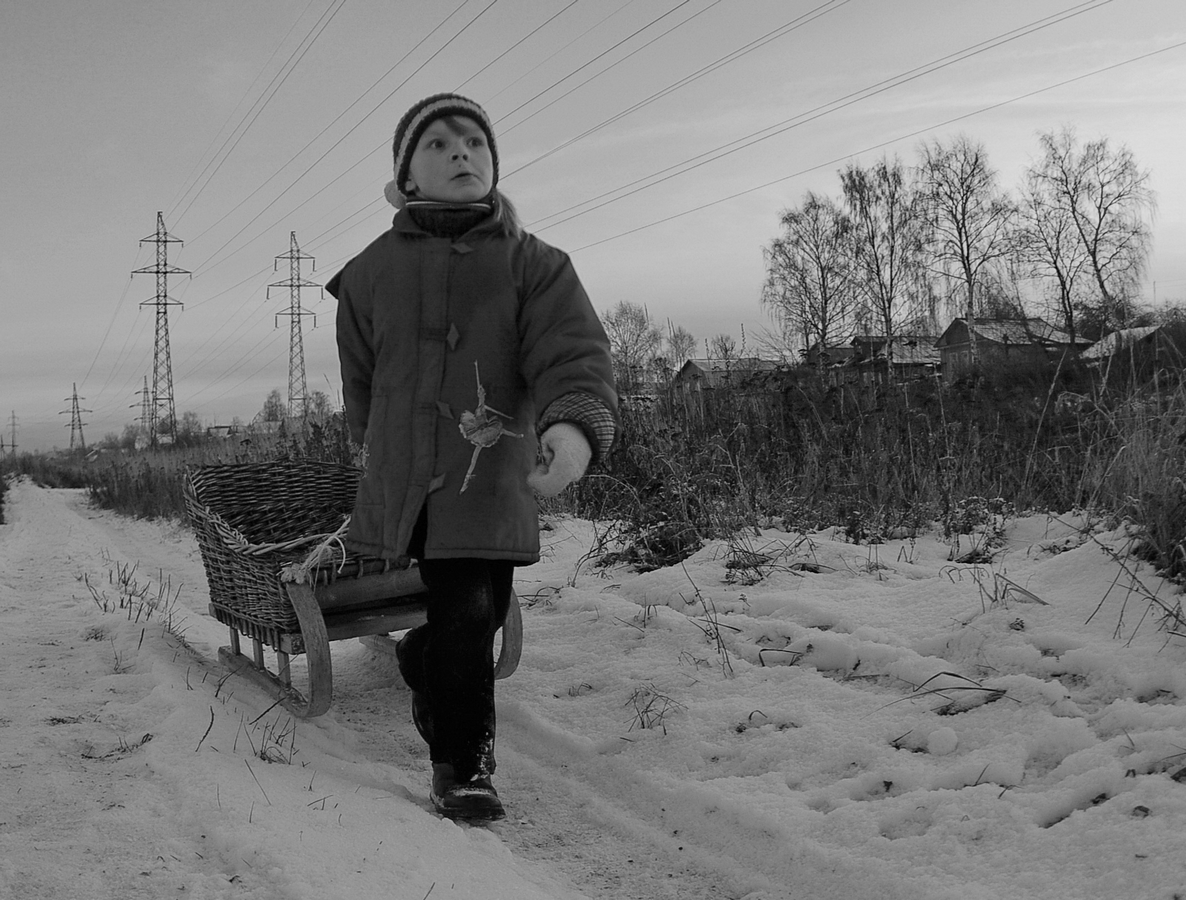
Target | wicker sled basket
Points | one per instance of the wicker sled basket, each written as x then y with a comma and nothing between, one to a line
270,535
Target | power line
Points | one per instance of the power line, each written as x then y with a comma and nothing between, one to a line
189,179
880,145
337,118
615,46
269,92
559,50
794,23
787,28
610,67
336,144
517,43
812,115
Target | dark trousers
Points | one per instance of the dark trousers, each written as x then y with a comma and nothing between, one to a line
450,659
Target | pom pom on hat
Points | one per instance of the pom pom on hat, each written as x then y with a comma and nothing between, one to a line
412,126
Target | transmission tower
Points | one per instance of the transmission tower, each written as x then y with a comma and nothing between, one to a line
297,398
12,424
163,412
145,407
76,422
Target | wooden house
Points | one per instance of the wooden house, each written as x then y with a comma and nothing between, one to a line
697,375
1002,343
824,356
1139,352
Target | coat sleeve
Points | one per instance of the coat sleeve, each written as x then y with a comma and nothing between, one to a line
356,352
564,347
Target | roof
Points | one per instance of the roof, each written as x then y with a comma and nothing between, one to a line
908,349
1031,330
1116,341
713,371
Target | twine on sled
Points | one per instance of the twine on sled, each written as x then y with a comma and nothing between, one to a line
298,572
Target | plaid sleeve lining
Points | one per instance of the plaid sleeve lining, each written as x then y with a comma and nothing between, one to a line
588,413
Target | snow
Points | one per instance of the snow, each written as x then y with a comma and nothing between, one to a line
793,716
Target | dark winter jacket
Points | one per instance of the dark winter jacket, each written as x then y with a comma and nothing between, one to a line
421,321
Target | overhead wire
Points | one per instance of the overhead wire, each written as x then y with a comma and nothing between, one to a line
266,96
557,52
625,112
342,174
618,44
223,344
315,162
189,181
590,62
335,120
613,65
283,75
881,145
799,119
781,31
517,44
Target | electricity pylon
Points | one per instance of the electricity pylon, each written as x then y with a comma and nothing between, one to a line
145,408
297,399
163,414
76,422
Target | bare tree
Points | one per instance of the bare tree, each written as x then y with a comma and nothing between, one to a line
810,275
883,207
679,344
1050,245
318,407
634,342
1107,198
273,409
722,346
969,221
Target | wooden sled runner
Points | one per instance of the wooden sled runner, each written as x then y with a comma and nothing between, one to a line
279,575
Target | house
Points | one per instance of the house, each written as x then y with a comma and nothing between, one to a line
222,432
1002,343
911,356
827,355
1140,351
697,375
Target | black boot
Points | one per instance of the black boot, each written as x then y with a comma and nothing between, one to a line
472,800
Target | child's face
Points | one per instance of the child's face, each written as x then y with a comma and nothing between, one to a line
451,163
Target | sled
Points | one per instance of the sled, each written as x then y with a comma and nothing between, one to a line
270,535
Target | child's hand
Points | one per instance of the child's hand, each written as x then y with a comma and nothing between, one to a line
566,455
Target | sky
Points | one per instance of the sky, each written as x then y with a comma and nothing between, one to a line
833,721
656,141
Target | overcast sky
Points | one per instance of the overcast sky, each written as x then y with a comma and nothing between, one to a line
244,122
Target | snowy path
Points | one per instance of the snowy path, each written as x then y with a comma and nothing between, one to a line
848,722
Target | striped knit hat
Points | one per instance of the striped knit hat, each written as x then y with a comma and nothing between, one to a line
412,126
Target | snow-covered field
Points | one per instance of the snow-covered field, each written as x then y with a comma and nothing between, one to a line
830,721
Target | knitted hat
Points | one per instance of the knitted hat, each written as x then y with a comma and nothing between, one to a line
413,125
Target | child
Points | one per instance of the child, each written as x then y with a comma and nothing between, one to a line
461,338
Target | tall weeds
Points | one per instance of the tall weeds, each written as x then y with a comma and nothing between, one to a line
892,459
880,461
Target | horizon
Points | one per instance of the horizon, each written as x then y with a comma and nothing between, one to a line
655,142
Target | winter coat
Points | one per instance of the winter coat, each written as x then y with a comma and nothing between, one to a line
421,322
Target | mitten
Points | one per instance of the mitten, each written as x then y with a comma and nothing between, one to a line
565,452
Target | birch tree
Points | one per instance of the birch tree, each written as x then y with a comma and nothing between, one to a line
810,274
883,206
1108,201
969,221
634,342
